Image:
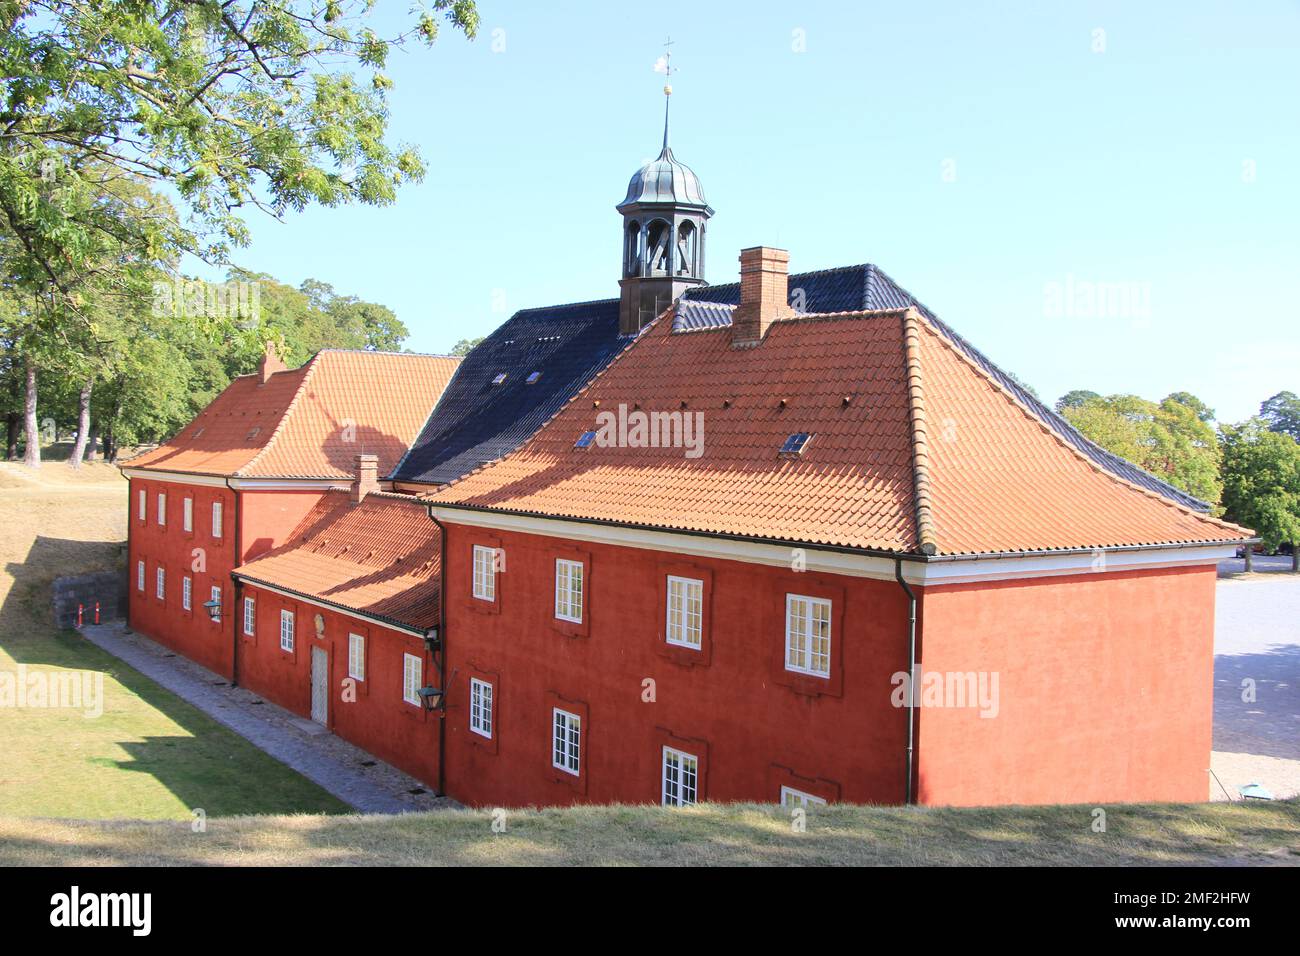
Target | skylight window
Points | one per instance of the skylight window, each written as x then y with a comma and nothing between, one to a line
585,440
795,444
533,377
499,379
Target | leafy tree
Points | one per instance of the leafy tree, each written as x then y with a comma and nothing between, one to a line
465,346
1261,483
1074,399
1282,413
1171,439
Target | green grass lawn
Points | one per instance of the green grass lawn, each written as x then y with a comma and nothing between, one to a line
149,755
735,834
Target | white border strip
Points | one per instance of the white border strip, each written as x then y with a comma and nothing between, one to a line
932,572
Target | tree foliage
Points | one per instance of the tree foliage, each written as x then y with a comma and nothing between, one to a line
1282,413
1261,481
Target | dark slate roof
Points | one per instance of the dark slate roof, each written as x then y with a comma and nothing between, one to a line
854,288
476,421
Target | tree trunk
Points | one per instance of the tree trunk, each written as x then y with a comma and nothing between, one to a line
94,441
30,426
83,424
12,420
1295,558
1250,555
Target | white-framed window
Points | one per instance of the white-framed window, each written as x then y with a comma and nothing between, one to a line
216,596
160,583
187,514
568,590
808,635
187,591
216,519
141,506
357,656
681,778
139,575
685,615
412,678
566,741
286,630
250,616
162,508
485,573
791,798
480,707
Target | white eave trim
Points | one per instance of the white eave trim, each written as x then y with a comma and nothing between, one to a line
935,571
241,484
357,615
175,477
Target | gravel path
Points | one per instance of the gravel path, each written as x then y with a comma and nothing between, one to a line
348,772
1257,647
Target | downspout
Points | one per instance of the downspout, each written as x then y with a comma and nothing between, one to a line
238,588
442,651
911,677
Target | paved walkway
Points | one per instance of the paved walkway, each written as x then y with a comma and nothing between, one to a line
349,773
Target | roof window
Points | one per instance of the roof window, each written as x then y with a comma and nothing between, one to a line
585,440
795,444
532,378
499,379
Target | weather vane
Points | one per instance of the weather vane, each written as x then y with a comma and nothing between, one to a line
665,66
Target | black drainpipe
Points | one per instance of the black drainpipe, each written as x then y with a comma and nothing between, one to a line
235,610
911,676
442,652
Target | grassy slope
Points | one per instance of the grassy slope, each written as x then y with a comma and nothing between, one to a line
150,755
1259,833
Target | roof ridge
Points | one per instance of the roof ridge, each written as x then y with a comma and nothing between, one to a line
439,355
559,305
312,364
1029,413
923,511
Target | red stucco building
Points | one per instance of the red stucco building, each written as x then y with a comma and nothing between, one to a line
729,619
238,479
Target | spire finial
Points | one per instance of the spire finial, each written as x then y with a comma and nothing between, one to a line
665,66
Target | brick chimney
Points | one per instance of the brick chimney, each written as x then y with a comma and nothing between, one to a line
764,294
270,363
367,477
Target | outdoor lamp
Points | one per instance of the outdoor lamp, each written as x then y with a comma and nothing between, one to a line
431,697
214,609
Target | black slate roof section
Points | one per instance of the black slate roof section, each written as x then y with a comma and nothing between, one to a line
854,288
476,422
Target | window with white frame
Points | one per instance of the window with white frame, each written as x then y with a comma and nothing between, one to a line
162,507
216,596
250,616
485,573
791,798
216,519
568,590
286,629
412,678
808,635
139,575
160,583
685,611
566,742
187,514
357,656
187,590
480,707
681,778
140,507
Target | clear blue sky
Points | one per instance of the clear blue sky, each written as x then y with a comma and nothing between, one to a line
978,153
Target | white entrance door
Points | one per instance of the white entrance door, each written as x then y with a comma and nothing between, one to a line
320,682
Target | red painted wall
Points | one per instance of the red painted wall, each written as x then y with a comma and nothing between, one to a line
207,560
370,712
269,517
753,727
1104,690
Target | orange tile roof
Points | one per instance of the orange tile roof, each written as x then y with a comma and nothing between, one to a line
379,557
310,422
914,449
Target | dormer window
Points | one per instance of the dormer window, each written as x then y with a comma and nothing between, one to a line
533,378
795,444
585,440
253,432
500,379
